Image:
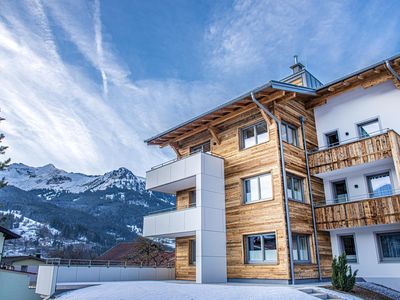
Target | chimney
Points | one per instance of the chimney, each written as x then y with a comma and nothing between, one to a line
298,66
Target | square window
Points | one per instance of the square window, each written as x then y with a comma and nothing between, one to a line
369,128
253,135
332,139
340,191
261,248
389,246
258,188
379,185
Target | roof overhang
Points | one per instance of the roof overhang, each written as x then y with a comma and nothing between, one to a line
8,234
273,90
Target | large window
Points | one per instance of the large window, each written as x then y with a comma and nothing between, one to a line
348,246
369,128
253,135
389,246
379,185
339,191
192,252
301,248
204,147
289,134
295,188
261,248
258,188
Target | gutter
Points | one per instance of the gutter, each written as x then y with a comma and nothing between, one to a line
289,229
391,70
311,198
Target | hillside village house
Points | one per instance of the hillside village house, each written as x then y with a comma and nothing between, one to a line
273,184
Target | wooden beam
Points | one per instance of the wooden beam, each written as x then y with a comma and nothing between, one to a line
331,89
315,102
214,134
360,77
272,97
175,147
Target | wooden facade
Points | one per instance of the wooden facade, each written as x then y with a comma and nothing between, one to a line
377,211
351,154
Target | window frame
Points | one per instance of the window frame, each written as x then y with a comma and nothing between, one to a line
379,246
192,252
263,261
295,130
368,176
330,133
366,122
201,145
341,245
191,194
334,194
303,200
244,200
296,239
254,126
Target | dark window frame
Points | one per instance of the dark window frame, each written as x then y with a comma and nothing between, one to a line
371,193
380,252
352,235
247,252
334,192
192,195
244,180
290,177
192,252
296,239
359,125
331,133
295,133
201,147
254,126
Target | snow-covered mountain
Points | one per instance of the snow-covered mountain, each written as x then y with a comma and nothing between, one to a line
63,208
49,177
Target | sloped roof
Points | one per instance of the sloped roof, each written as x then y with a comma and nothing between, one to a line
9,235
120,251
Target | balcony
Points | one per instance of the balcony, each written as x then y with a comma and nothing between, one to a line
359,211
353,152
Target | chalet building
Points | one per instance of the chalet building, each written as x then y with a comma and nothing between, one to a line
271,185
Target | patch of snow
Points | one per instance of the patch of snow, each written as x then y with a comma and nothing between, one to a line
380,289
161,290
134,228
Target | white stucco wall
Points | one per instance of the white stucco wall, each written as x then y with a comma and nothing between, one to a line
15,286
358,176
369,265
344,111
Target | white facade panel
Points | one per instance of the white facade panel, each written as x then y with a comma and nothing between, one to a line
368,264
345,111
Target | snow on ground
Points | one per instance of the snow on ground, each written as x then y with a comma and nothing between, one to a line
161,290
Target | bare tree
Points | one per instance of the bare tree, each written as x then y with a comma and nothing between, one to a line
147,252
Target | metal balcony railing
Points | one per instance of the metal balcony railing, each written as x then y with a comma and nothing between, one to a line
347,141
170,209
354,198
106,263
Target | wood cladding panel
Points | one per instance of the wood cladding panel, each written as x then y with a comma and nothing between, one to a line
384,210
183,270
351,154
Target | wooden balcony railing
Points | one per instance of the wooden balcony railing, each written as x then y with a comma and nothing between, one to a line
360,151
376,211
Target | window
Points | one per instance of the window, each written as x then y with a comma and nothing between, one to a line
258,188
301,248
295,188
389,246
339,191
289,134
348,246
253,135
204,147
332,139
192,252
366,129
192,198
24,268
261,248
379,185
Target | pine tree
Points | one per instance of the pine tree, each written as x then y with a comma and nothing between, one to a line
343,278
3,164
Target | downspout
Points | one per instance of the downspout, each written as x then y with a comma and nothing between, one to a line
311,197
289,229
391,70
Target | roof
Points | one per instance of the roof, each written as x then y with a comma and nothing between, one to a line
9,235
120,251
268,91
13,259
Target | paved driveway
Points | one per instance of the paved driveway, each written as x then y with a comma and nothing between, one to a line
156,290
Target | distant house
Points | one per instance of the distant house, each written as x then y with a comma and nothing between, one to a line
26,263
6,234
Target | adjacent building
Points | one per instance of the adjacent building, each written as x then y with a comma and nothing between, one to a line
270,185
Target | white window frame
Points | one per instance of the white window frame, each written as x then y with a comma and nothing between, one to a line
254,126
259,188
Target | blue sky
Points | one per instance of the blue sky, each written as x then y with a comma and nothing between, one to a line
83,83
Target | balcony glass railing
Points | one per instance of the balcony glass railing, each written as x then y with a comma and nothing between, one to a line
171,209
347,141
353,198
